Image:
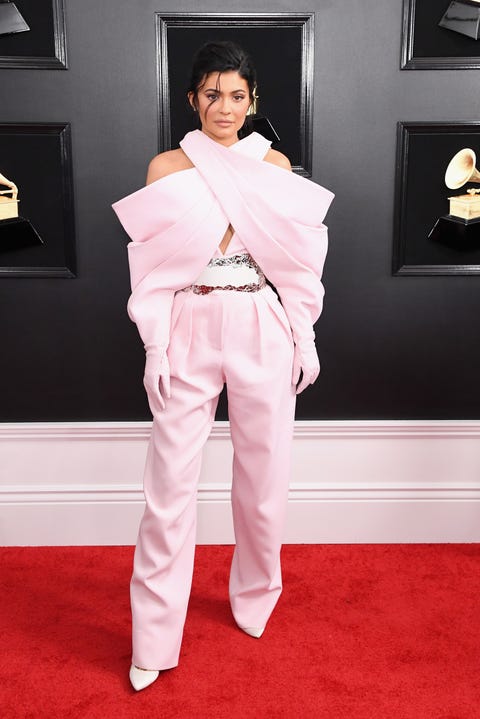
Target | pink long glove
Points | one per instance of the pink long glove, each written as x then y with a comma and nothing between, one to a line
305,358
156,379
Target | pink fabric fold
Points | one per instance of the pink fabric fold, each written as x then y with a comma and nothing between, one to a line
279,218
176,224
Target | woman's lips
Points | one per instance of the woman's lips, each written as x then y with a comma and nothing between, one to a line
223,122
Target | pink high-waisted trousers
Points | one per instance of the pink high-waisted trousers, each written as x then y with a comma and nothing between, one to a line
242,339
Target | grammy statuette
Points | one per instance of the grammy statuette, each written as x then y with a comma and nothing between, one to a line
15,232
461,227
8,205
461,169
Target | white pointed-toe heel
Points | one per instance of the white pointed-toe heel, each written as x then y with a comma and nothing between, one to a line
253,631
142,678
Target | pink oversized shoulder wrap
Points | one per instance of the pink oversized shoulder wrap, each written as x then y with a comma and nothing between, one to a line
177,222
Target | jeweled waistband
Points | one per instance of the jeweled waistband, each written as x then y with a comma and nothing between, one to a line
240,259
237,272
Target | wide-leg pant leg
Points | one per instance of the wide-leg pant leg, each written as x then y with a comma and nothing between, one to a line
261,401
164,554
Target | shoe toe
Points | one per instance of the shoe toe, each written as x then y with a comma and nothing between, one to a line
142,678
253,631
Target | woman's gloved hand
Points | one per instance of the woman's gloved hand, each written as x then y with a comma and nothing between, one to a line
305,359
156,379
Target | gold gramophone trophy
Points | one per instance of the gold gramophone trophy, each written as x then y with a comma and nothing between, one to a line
15,232
461,169
463,16
461,227
8,205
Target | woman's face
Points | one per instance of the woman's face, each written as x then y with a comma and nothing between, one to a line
222,103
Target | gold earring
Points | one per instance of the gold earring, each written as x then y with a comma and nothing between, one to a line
252,110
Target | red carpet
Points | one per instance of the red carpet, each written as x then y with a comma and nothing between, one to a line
361,631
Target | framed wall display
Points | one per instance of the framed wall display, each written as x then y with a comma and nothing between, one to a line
285,77
432,237
37,158
32,34
440,34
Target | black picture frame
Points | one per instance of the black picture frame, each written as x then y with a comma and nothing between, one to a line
423,152
426,46
38,158
285,79
44,46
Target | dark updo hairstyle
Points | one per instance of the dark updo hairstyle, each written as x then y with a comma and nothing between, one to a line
223,56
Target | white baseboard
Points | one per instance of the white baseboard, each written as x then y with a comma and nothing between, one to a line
366,482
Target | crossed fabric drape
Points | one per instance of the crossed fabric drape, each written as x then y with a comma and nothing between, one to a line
176,224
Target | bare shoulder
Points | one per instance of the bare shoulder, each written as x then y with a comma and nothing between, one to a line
278,158
166,163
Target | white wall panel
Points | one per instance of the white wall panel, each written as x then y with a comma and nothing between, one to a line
80,483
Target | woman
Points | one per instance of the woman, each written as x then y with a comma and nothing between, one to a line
218,216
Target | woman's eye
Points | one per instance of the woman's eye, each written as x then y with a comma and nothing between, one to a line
212,97
239,97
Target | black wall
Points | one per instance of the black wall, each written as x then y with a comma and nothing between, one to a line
390,347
